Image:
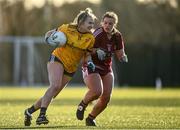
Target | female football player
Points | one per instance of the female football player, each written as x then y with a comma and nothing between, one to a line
64,61
108,40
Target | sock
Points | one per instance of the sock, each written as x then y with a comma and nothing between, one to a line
31,109
91,117
83,104
43,111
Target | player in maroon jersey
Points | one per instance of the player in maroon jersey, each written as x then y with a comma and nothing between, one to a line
108,40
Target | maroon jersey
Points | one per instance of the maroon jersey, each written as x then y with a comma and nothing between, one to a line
107,45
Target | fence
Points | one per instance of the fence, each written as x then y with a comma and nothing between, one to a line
18,44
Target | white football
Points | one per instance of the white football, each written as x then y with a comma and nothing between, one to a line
57,38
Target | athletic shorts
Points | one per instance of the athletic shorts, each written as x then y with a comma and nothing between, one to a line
55,59
102,71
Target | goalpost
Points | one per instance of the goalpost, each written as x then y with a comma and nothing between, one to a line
18,42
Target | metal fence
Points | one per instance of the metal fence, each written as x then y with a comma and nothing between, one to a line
18,44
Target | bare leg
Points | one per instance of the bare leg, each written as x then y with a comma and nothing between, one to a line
94,84
108,83
57,82
37,104
65,80
56,74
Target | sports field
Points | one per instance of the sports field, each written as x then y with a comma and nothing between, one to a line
129,109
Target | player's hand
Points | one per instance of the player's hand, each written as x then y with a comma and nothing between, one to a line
101,54
91,67
47,35
124,58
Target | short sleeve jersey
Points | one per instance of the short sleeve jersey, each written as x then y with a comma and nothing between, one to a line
75,48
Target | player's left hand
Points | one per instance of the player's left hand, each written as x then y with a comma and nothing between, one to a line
91,66
101,54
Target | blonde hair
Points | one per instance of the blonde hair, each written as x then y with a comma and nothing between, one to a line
111,14
82,16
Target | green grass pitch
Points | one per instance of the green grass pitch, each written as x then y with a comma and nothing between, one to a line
129,108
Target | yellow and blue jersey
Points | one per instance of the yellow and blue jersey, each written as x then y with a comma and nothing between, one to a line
76,47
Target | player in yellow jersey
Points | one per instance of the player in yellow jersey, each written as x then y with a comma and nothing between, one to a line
64,61
78,44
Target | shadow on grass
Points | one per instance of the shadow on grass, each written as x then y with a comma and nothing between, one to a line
58,127
47,127
154,102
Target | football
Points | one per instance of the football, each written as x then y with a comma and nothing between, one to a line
57,38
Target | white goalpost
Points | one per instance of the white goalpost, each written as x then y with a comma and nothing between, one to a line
18,42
